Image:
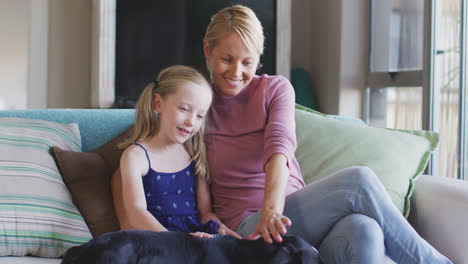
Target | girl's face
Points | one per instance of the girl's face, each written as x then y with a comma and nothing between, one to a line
232,64
181,114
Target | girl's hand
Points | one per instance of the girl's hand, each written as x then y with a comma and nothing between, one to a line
224,230
271,224
201,234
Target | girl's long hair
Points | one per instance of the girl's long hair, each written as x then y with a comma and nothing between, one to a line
147,121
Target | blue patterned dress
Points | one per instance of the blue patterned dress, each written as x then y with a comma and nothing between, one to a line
170,197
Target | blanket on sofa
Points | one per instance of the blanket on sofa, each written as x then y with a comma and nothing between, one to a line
138,246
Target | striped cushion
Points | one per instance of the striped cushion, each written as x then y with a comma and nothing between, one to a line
37,216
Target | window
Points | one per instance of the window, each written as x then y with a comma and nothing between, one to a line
416,74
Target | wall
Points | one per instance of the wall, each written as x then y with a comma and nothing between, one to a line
14,28
69,56
330,41
354,60
315,44
45,53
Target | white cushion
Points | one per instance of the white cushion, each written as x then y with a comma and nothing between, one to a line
29,260
37,216
439,212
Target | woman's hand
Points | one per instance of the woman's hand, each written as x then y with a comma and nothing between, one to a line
272,221
271,224
224,230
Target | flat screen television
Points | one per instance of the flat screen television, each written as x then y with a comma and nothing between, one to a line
154,34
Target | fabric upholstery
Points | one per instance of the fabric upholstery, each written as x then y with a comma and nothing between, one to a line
327,144
88,176
97,126
37,216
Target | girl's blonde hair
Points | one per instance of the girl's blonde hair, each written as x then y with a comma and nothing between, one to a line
147,122
239,19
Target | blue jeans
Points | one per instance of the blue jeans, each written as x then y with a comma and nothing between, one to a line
349,218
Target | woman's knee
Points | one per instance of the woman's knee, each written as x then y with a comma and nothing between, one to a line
358,228
364,228
354,239
363,176
366,237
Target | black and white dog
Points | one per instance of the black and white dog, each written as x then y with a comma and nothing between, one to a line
138,246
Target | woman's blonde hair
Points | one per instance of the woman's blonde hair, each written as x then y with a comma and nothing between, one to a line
239,19
147,122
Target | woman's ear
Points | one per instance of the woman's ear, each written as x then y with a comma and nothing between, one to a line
206,50
157,100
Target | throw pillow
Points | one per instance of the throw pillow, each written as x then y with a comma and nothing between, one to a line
37,214
327,144
87,176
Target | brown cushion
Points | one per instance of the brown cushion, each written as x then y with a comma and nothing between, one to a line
111,153
87,176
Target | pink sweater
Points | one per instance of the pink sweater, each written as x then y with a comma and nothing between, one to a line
244,131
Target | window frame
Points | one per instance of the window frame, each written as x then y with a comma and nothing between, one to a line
425,79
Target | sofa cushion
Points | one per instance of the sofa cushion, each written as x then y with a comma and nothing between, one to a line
87,176
37,215
327,144
97,126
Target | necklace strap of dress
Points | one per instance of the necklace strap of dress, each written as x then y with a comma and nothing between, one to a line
146,152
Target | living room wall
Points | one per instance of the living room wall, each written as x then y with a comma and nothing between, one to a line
69,55
330,41
13,53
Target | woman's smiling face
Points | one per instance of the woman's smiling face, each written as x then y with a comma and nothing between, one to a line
232,64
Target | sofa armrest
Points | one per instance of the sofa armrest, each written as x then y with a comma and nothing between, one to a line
439,213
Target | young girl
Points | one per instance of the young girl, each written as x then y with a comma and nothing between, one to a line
164,166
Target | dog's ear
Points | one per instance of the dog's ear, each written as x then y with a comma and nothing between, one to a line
74,255
296,250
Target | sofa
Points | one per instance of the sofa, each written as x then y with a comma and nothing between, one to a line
436,207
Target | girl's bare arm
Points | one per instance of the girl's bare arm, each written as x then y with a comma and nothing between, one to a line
206,212
133,196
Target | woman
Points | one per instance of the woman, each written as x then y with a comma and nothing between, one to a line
256,184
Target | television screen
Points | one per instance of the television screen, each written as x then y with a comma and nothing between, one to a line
152,35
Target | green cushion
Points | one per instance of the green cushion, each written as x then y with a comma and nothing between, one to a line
327,144
304,92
